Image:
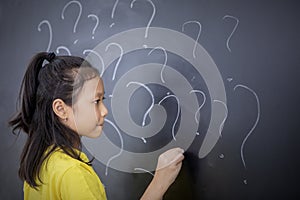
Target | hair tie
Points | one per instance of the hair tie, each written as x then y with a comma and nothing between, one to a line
50,56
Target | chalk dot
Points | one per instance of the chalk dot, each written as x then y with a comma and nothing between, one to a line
221,156
245,181
197,133
144,140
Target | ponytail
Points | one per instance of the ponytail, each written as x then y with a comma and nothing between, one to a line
27,95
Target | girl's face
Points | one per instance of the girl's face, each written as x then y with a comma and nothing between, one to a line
88,113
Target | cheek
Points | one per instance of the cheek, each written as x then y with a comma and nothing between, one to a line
86,117
97,112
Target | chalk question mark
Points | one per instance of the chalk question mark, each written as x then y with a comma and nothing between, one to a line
152,98
199,32
78,17
226,114
165,63
177,116
122,145
98,55
197,113
63,48
255,124
96,25
152,16
235,26
113,12
120,58
50,32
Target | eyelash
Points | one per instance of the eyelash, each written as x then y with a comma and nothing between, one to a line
98,100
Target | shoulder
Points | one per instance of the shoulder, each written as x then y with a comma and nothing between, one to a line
60,160
73,177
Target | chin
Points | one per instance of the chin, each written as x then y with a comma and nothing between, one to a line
97,133
94,134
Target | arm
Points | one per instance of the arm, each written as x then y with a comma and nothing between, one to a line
168,167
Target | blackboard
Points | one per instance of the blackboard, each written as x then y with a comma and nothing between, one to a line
217,78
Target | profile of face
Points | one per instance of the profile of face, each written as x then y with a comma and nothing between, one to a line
88,112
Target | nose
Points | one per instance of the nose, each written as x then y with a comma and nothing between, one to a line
103,111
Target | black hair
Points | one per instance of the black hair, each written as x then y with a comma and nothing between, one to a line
60,78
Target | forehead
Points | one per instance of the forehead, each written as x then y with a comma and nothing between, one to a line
92,87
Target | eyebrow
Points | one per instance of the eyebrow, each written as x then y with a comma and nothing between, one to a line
99,94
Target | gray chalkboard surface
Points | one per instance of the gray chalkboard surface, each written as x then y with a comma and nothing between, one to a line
217,78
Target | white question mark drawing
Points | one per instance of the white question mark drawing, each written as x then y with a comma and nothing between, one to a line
204,100
96,25
122,145
113,12
120,58
165,63
177,116
255,124
63,48
152,16
152,98
144,170
50,32
199,32
98,55
78,17
226,114
235,27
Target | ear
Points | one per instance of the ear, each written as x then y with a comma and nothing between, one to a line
60,109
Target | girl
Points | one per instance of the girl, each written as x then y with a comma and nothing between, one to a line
60,102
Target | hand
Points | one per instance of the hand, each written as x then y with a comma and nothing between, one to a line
168,168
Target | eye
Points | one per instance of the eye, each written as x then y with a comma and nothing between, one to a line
97,101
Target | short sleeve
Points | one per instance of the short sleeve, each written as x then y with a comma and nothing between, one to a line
78,183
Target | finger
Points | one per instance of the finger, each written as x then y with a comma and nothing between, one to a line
178,159
179,166
178,150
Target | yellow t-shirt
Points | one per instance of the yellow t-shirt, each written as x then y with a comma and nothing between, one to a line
64,177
